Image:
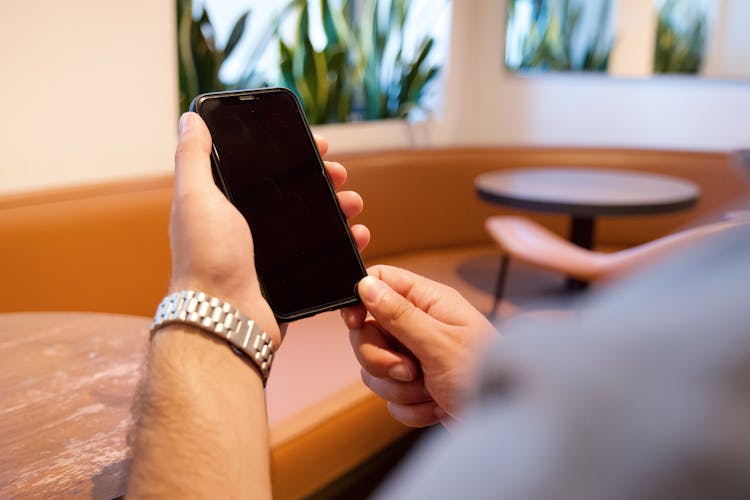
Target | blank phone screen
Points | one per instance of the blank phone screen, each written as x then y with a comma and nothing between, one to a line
305,256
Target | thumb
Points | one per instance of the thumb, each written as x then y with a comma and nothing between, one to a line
193,156
407,323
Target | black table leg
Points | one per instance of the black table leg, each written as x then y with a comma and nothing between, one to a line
582,234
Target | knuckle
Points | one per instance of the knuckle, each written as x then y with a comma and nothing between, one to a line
402,310
375,270
435,295
184,148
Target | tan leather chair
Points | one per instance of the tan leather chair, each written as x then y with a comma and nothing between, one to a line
526,241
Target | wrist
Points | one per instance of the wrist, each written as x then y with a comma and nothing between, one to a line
186,353
240,296
199,399
246,299
221,320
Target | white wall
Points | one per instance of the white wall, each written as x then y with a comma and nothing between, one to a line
633,51
664,112
89,91
90,94
728,47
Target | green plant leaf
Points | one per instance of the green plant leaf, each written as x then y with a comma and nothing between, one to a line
207,60
263,42
207,30
556,28
362,68
333,29
188,79
286,66
303,32
236,35
414,70
679,46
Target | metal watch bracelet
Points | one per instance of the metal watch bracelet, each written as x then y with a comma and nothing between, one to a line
221,319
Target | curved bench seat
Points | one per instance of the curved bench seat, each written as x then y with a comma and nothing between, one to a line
105,248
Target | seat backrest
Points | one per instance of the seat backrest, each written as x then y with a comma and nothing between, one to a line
101,248
425,198
106,247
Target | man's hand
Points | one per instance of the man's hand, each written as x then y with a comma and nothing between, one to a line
201,417
212,248
420,348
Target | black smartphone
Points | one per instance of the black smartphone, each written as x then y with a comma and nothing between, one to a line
267,164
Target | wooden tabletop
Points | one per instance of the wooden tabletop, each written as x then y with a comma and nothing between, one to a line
66,397
587,192
67,386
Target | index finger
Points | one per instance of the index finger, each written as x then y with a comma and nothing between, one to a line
404,320
420,291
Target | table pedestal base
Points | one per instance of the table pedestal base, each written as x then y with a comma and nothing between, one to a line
582,234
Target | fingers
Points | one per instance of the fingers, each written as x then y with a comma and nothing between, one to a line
351,203
422,292
378,357
193,156
322,144
411,326
408,402
336,172
416,415
403,393
354,316
361,235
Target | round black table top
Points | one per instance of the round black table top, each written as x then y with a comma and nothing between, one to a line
587,192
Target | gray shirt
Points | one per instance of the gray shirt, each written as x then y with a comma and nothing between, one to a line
645,396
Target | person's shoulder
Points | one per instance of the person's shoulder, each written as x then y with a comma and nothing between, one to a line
639,396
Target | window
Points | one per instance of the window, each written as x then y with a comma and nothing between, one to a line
345,60
624,38
559,35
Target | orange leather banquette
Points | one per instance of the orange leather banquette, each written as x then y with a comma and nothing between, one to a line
105,248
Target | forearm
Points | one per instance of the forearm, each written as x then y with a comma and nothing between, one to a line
202,426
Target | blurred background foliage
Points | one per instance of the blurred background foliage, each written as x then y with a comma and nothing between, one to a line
680,38
555,39
199,59
555,35
362,71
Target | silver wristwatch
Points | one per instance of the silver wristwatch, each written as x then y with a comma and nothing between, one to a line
221,319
